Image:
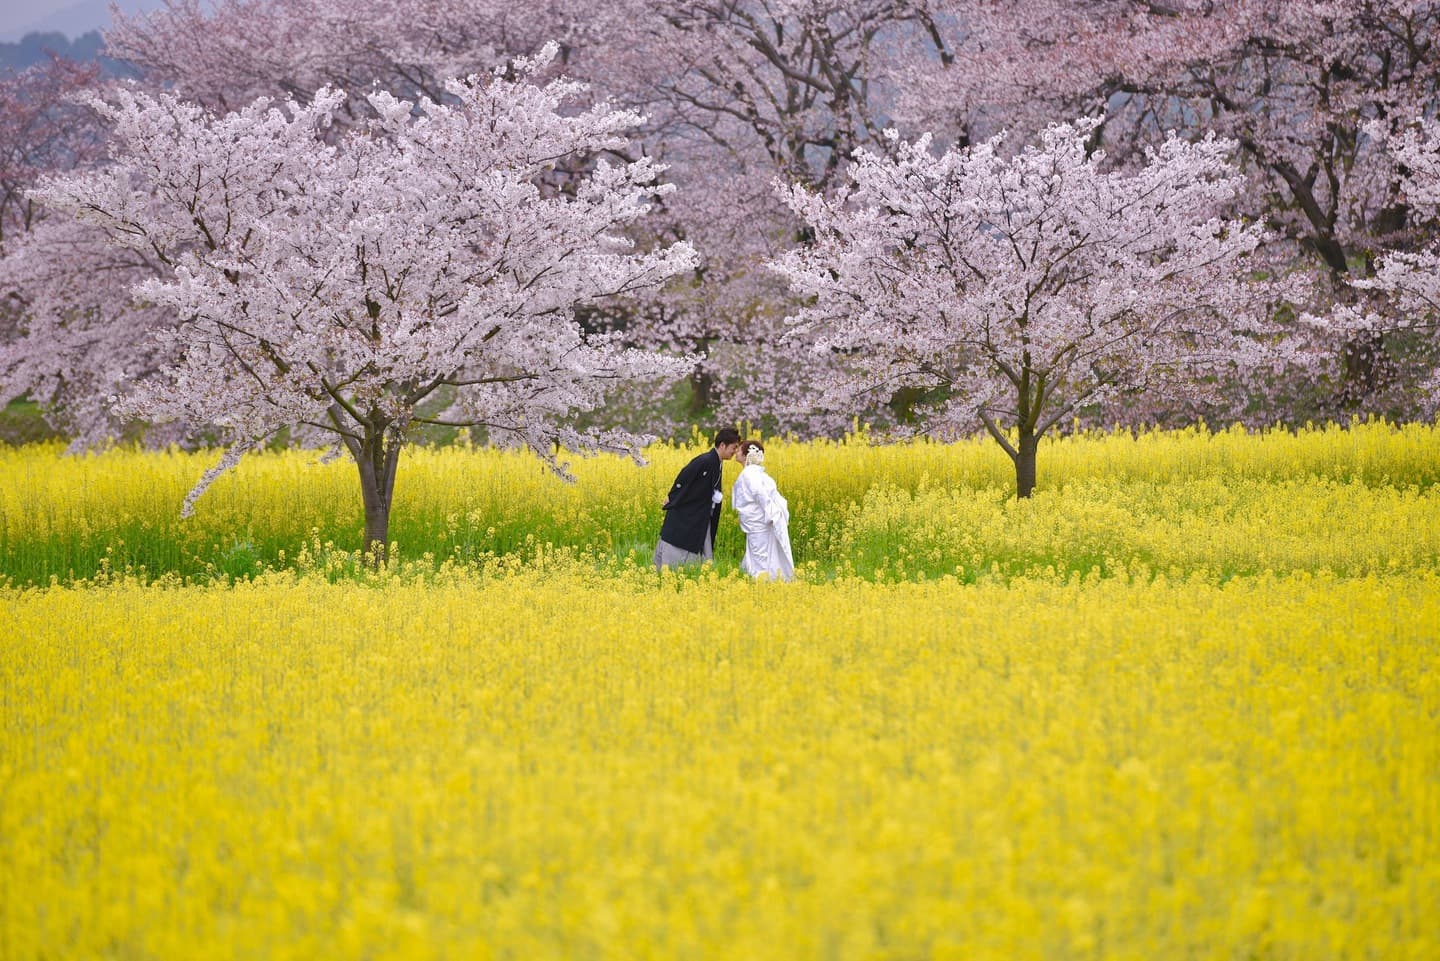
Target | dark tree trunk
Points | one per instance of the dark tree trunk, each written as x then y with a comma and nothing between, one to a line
702,391
1024,458
377,457
903,403
1022,453
1367,370
1364,365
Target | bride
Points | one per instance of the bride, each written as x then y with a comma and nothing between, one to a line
764,517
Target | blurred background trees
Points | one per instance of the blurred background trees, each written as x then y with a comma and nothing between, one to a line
743,97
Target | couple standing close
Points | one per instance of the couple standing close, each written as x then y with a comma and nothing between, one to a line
692,511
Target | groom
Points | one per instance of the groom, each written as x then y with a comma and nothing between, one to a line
692,509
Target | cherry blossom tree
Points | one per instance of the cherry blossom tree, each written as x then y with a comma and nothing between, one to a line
1410,278
41,131
419,268
1295,90
81,337
73,335
64,336
741,92
1292,82
1020,288
737,92
227,53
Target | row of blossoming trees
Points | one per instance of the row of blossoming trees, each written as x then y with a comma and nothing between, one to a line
339,222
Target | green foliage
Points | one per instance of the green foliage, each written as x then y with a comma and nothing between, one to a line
21,423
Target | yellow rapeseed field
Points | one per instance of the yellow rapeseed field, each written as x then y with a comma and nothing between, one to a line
1353,501
1182,704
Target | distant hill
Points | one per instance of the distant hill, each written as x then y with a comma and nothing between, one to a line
75,19
28,34
35,48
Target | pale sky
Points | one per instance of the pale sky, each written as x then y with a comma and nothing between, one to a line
70,17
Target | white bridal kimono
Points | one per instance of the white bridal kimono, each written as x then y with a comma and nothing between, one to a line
765,519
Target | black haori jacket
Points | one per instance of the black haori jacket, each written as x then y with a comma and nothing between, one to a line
690,509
